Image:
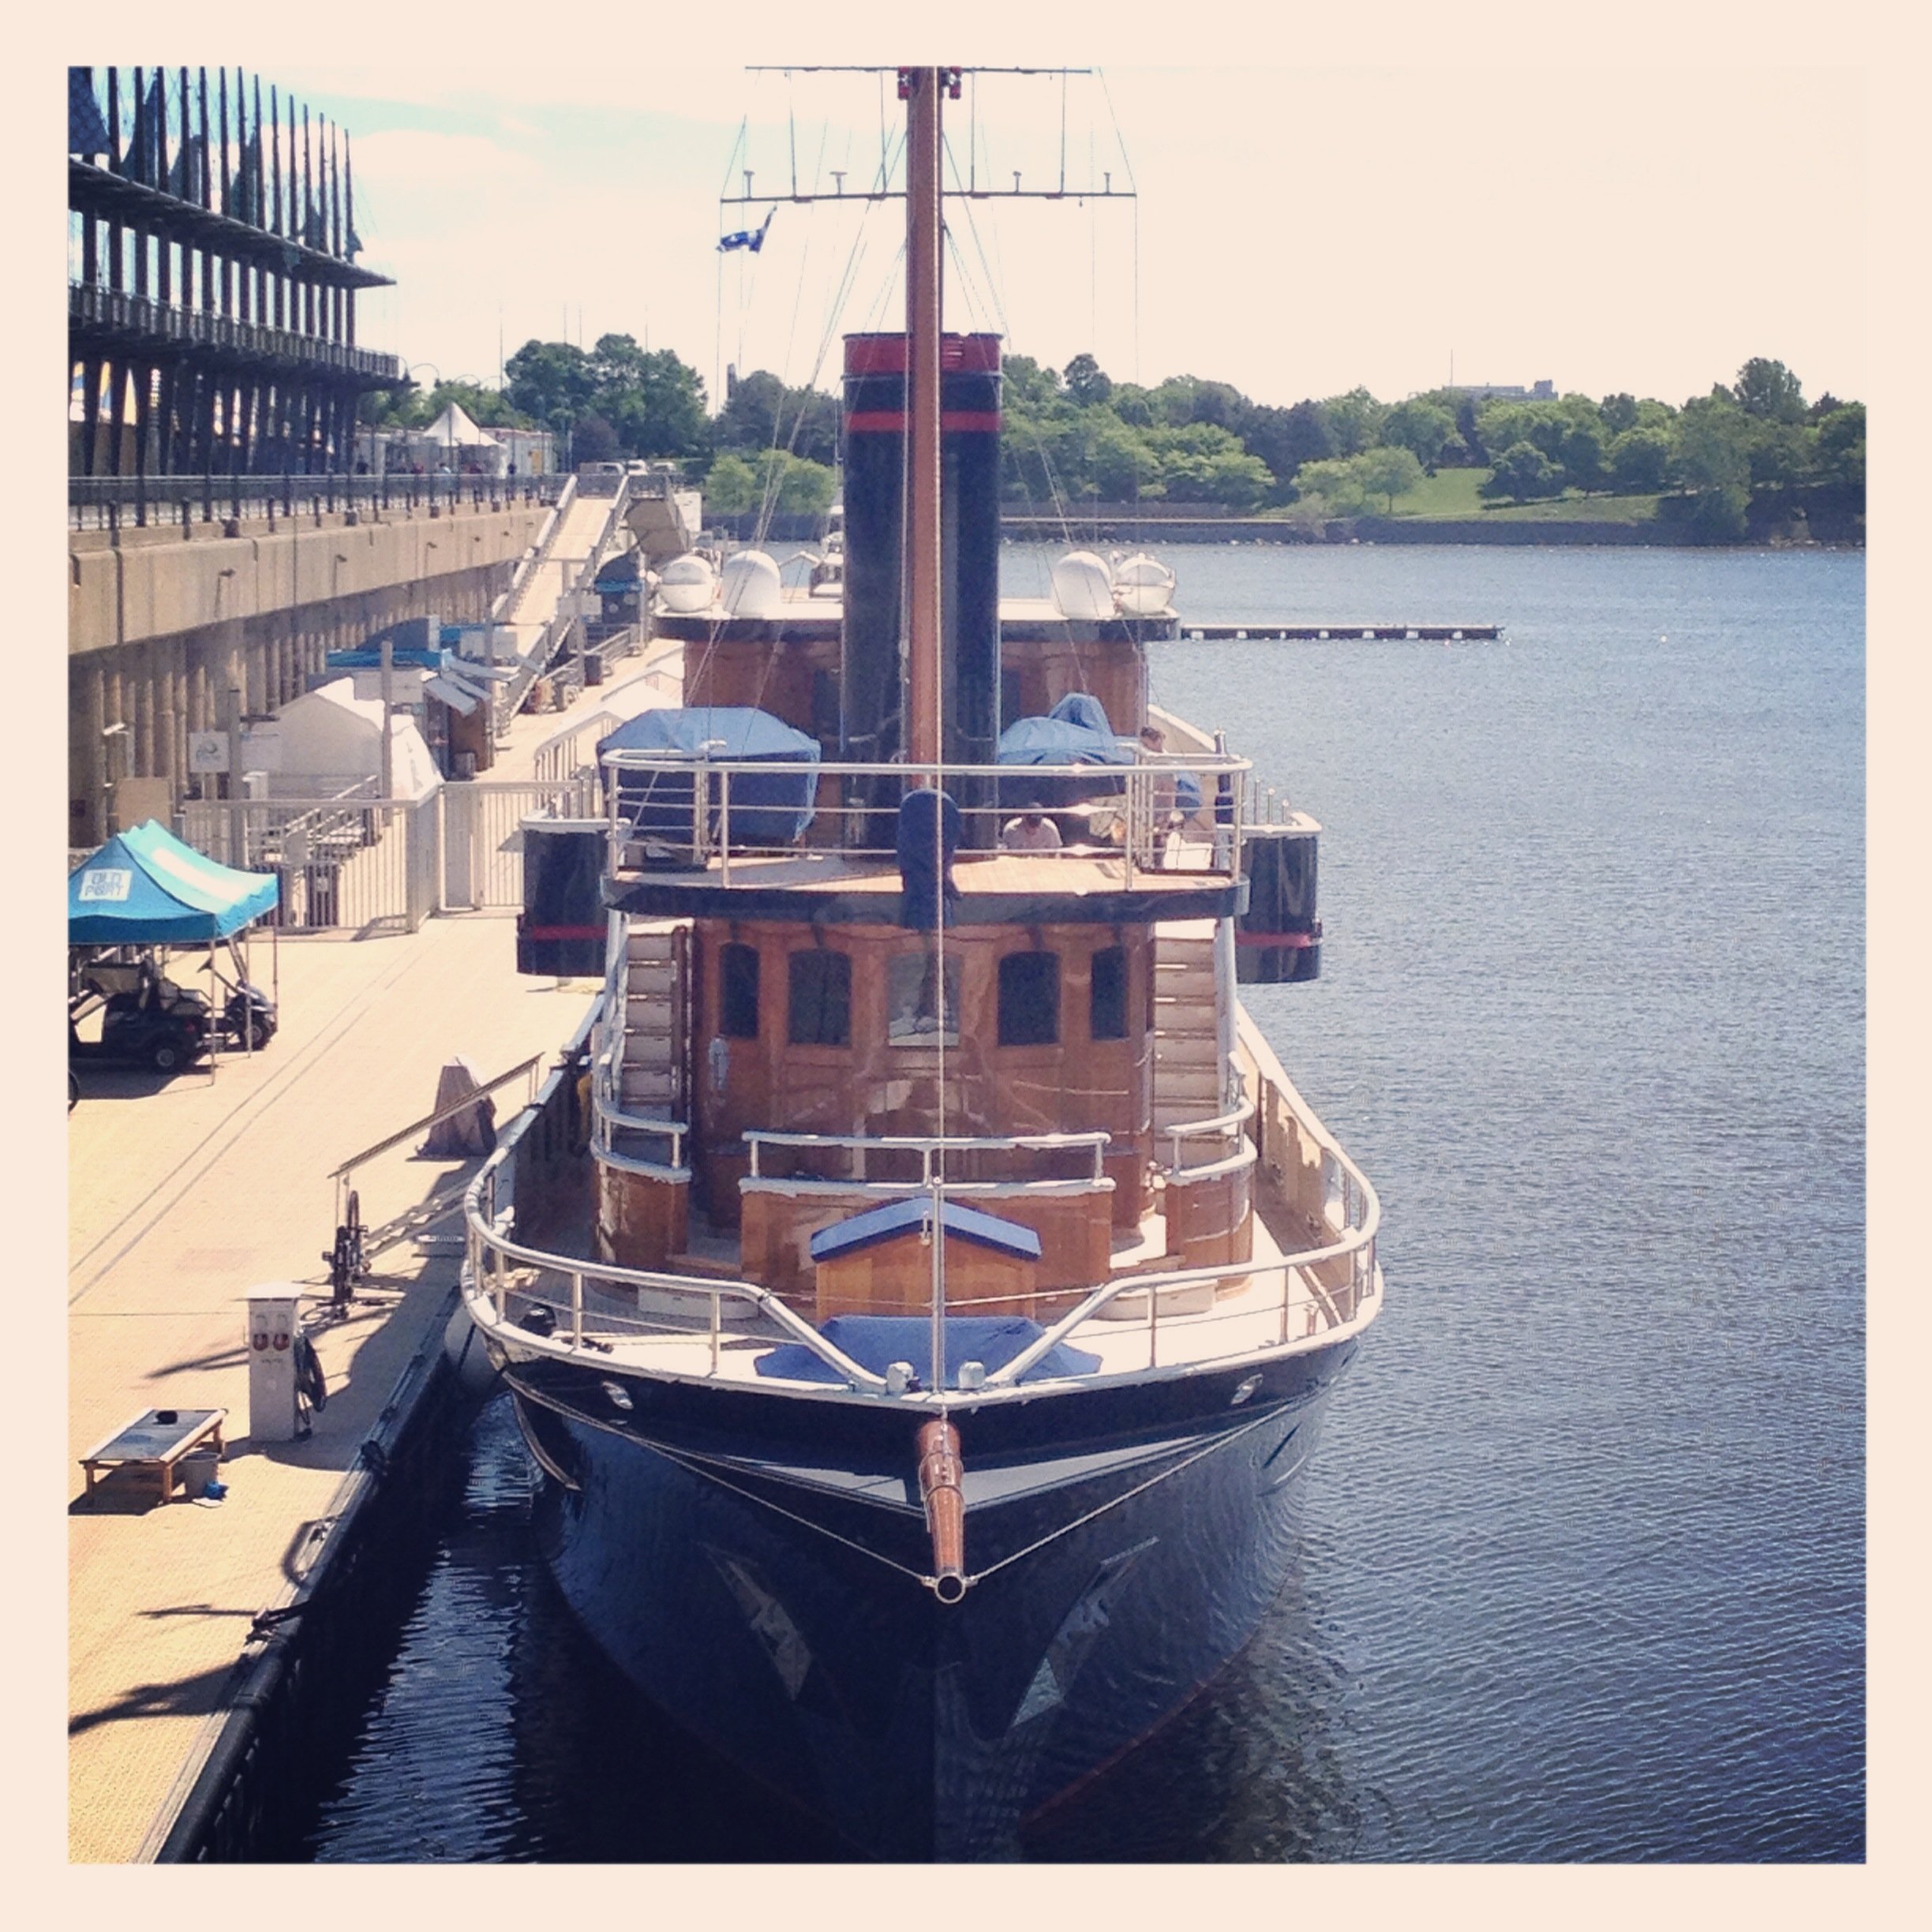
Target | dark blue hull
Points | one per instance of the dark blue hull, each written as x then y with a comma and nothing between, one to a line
754,1562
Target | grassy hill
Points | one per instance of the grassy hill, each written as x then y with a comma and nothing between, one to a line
1452,493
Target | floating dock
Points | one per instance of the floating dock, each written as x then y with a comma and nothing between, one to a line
1338,633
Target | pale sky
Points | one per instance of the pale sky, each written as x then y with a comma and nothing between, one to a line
1509,200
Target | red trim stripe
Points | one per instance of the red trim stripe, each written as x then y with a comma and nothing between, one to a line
562,932
892,422
886,355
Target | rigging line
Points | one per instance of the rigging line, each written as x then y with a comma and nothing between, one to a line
1174,1468
1120,145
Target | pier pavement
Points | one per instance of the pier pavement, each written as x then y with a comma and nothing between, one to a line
183,1196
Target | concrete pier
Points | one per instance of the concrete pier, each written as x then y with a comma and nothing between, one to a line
186,1193
163,622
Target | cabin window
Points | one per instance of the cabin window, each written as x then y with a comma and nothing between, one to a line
820,1005
1029,999
1107,1015
738,991
912,1001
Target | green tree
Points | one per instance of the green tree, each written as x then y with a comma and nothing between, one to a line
1581,456
1423,428
732,486
1782,455
1086,382
1389,471
1714,445
1335,485
547,379
1841,447
1238,479
1470,431
761,413
1028,385
1285,439
1120,460
1770,391
659,409
592,439
1354,420
1523,472
1618,413
1639,460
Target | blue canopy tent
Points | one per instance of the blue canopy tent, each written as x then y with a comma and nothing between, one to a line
767,808
144,887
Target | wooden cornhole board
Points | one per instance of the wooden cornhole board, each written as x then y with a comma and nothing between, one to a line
156,1440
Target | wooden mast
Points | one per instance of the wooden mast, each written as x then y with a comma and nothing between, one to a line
924,683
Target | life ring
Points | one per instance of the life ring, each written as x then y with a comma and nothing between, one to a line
309,1382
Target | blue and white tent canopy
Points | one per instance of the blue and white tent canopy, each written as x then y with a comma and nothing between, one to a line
144,887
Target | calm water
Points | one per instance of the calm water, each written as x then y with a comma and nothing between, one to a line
1582,1576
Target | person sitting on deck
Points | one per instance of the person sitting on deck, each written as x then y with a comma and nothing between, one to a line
1032,831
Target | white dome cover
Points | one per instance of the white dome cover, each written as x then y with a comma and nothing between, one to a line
686,584
749,586
1081,586
1143,584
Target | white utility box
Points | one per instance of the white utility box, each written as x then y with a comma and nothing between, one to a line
275,1411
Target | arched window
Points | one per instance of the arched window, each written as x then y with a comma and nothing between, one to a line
738,991
1029,999
1107,1014
819,1010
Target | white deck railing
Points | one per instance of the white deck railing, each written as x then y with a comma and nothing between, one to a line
1140,825
1318,1290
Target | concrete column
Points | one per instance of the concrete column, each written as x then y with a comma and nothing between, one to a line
168,761
88,783
144,718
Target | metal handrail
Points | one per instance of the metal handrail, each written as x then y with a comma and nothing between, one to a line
564,618
1140,839
142,315
609,1112
1359,1242
232,496
489,1246
1188,1130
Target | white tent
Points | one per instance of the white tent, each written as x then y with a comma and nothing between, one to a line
329,741
455,428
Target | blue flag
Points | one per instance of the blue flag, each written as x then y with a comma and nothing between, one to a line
752,238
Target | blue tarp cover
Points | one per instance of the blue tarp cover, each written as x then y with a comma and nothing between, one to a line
1075,730
767,809
368,658
901,1217
876,1342
144,887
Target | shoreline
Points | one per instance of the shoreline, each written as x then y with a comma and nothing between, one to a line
1164,532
